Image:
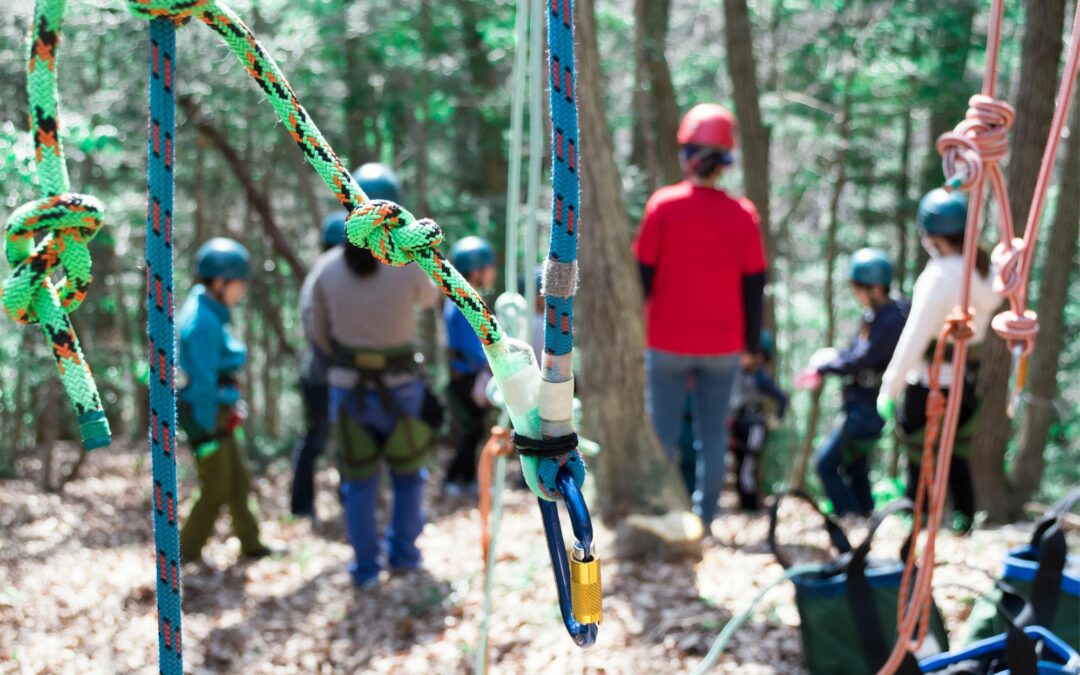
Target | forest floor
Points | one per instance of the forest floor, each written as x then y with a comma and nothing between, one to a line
77,589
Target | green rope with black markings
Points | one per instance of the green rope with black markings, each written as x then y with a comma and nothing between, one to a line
52,233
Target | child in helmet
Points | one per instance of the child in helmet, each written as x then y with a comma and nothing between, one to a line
942,222
362,318
209,407
750,421
469,372
703,312
378,181
842,463
313,388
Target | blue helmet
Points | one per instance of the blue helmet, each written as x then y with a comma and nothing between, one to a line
870,267
378,181
470,254
942,212
223,258
333,229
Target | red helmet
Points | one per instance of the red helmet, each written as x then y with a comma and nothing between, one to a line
710,125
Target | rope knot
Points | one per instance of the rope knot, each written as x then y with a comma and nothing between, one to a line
392,234
981,139
959,326
1007,257
67,223
177,10
1018,329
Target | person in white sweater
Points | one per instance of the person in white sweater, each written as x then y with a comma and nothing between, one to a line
942,222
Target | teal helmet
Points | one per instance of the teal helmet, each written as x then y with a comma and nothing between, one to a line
470,254
223,258
766,344
870,267
333,229
378,181
943,213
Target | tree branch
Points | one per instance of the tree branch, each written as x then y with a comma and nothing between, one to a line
256,197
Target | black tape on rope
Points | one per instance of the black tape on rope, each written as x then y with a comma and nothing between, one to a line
544,447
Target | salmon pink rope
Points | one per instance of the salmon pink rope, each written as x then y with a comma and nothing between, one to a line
971,153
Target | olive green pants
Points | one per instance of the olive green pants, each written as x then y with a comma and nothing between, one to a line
223,481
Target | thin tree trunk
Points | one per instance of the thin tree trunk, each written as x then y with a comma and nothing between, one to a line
632,473
1035,108
1057,272
753,134
656,106
48,431
798,477
904,213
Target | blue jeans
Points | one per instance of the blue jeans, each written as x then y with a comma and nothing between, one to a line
665,399
843,468
361,500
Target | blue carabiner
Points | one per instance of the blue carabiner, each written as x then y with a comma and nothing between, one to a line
581,609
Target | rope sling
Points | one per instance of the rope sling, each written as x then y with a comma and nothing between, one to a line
971,154
541,410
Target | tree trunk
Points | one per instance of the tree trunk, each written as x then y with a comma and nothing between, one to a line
1057,269
656,107
798,476
753,134
1035,108
905,214
632,473
952,36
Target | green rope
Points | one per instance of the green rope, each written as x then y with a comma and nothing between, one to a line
737,621
52,233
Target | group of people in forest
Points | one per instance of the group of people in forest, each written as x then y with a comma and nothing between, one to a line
362,383
702,264
703,271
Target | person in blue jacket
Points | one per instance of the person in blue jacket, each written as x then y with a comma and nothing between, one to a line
843,462
209,406
469,372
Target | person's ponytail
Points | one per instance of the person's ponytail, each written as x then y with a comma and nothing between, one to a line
982,258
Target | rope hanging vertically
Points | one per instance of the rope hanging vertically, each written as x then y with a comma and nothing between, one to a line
161,153
970,155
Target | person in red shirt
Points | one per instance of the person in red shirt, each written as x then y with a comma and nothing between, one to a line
703,270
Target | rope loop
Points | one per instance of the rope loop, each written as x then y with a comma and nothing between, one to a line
392,234
67,222
981,139
177,10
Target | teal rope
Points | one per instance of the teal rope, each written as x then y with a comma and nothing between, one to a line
159,304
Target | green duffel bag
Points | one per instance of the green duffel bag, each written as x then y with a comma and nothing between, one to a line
847,606
1045,575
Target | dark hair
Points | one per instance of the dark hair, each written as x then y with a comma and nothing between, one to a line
360,261
869,287
982,258
704,161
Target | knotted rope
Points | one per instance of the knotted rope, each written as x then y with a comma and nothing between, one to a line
65,223
971,153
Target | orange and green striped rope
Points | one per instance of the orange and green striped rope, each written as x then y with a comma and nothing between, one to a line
51,233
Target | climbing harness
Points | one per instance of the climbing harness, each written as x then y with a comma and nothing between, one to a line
540,407
971,154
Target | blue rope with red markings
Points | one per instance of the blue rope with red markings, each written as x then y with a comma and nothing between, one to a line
560,268
159,304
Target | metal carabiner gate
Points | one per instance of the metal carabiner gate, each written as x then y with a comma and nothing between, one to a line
577,576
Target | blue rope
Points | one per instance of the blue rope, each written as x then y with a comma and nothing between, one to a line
565,219
565,207
159,272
